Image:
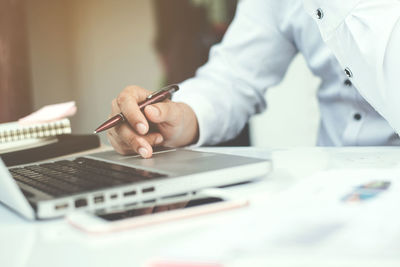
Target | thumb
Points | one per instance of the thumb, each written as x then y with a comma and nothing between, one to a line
165,112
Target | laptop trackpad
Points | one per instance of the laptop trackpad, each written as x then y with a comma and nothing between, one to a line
178,161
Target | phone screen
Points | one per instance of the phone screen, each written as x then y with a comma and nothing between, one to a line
131,213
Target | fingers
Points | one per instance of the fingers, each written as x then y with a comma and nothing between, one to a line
164,112
125,141
134,135
175,124
176,121
114,108
127,103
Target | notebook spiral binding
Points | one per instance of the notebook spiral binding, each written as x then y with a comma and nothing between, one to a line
35,131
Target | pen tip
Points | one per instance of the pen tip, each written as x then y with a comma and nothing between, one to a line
95,132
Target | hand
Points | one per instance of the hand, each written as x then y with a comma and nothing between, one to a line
172,124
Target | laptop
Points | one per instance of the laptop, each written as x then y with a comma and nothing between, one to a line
103,180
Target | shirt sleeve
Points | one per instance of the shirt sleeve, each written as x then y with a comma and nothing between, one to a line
364,35
230,87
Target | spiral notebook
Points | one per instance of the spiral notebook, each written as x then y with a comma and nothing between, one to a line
13,135
13,131
44,134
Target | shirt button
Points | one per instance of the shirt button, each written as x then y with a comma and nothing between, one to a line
357,116
319,13
348,72
348,83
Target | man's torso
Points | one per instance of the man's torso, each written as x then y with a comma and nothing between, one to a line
346,118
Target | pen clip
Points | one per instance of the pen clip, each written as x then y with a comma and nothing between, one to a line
172,88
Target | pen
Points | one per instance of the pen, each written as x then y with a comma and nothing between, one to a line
155,97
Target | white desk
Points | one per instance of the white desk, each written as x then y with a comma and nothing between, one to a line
237,242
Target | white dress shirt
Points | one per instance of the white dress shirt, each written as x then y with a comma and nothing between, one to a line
262,41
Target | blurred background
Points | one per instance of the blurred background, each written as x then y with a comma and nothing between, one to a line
54,51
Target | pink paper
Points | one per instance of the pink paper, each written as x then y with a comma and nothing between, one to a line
50,113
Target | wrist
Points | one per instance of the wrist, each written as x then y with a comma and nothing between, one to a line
190,131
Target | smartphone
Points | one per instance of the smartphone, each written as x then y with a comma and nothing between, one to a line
154,212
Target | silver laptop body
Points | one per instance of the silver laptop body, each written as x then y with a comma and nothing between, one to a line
186,171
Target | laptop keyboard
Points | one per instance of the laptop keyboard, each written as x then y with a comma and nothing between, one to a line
66,177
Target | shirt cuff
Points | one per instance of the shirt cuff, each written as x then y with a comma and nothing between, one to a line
329,14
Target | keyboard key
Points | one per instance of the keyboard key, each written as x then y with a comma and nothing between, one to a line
66,177
120,168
